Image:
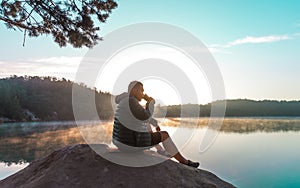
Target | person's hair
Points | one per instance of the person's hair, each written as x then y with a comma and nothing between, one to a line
133,85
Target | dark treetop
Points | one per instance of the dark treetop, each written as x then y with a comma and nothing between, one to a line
68,21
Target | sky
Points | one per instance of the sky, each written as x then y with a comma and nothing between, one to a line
256,44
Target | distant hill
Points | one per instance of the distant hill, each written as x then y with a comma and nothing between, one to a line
44,98
48,98
244,107
238,108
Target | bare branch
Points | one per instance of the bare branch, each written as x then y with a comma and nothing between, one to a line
24,38
17,24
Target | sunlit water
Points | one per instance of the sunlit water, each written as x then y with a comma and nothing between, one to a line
247,152
251,160
7,170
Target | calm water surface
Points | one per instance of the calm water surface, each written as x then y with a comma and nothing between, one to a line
248,152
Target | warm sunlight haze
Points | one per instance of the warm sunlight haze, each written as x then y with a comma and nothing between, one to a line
258,59
164,91
112,93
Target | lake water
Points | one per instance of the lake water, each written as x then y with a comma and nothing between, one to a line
248,152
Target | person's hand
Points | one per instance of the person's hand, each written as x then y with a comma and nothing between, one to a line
152,100
148,99
157,128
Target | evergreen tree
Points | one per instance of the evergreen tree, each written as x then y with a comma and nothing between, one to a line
68,21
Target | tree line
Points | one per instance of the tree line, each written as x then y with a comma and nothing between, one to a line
47,98
32,98
234,108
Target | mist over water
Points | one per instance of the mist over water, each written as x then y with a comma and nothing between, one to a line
248,152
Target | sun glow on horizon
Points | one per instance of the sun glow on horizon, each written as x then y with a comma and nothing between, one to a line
168,74
163,93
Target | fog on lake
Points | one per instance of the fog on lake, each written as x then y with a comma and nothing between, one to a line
248,152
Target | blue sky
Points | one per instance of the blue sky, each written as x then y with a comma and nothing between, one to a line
255,43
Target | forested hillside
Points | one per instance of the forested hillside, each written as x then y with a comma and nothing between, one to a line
46,98
238,107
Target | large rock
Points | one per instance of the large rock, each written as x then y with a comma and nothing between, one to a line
79,166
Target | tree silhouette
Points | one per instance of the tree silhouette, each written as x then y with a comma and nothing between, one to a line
48,98
68,21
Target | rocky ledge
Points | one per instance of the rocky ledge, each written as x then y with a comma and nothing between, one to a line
80,166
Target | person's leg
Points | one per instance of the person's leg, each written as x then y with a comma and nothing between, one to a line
171,148
163,136
158,147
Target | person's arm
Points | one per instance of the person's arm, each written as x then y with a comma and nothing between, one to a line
138,111
143,114
150,106
153,122
149,128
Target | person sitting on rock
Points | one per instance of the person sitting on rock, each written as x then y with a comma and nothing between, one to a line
130,132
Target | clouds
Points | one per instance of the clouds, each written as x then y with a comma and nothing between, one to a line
263,39
53,66
59,60
220,48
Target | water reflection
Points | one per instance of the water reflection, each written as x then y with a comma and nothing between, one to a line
249,152
25,142
6,170
260,159
243,125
